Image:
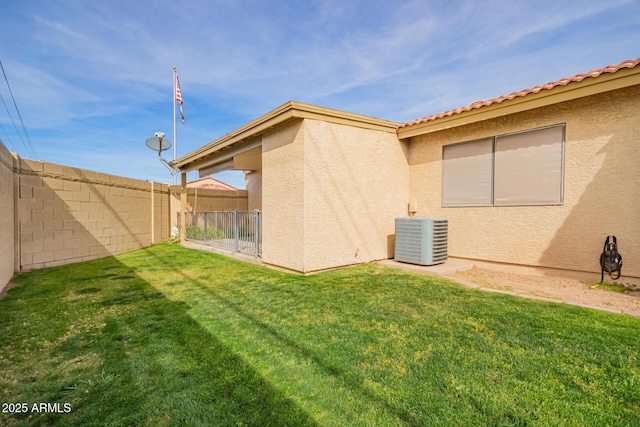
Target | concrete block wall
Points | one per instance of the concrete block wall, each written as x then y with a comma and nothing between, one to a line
69,215
53,214
161,207
6,217
206,199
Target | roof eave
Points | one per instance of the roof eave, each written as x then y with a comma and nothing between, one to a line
545,97
290,111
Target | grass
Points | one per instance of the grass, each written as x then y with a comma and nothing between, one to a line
621,288
171,336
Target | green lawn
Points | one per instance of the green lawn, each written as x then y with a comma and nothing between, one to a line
171,336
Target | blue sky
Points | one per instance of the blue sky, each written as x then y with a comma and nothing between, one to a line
93,79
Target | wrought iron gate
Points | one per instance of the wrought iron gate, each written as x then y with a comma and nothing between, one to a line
238,231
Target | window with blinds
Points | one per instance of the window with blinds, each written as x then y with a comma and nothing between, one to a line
467,174
519,169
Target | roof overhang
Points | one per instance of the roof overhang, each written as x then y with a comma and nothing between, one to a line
221,151
545,97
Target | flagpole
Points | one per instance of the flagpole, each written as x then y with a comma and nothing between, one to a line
175,141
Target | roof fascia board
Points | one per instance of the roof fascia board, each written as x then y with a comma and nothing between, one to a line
589,86
220,167
224,154
290,111
275,117
308,111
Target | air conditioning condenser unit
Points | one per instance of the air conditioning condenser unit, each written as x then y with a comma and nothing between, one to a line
421,240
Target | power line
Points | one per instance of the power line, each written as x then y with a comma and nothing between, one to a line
13,147
34,153
15,127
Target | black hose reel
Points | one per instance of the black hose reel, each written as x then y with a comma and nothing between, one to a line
610,259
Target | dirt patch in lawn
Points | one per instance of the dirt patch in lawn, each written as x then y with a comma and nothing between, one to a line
561,289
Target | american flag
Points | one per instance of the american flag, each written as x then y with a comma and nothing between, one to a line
179,97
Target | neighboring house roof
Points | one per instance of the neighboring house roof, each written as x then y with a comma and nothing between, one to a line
210,183
540,89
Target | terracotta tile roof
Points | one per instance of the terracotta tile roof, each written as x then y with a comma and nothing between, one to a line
562,82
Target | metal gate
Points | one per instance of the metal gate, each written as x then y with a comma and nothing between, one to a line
238,231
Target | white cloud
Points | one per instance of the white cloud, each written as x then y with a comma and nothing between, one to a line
101,71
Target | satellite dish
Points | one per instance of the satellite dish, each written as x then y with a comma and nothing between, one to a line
158,144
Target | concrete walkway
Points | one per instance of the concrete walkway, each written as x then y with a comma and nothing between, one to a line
449,267
452,266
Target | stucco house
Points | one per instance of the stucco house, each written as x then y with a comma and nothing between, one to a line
535,178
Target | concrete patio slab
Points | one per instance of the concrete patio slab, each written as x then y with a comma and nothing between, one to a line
449,267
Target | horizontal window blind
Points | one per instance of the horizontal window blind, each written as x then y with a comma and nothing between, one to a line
524,168
528,168
466,173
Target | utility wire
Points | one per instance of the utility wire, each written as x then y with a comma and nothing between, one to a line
24,128
13,147
15,127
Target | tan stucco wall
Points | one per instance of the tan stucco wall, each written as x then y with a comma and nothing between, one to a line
330,194
283,196
601,195
253,184
356,183
6,217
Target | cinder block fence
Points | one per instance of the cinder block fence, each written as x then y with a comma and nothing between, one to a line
53,214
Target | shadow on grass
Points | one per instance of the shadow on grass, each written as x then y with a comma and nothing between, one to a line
338,374
123,354
160,343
